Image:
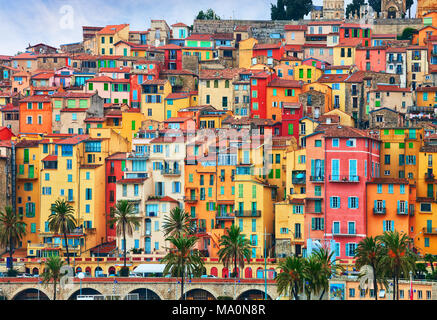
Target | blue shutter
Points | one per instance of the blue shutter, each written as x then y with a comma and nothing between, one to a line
383,203
406,207
330,202
349,202
347,250
383,226
376,204
398,204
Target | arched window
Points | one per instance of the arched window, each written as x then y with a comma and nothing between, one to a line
248,273
214,271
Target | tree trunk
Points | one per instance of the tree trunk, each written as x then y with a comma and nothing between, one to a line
394,287
66,246
397,287
11,250
182,283
125,244
375,283
235,264
323,293
296,295
54,289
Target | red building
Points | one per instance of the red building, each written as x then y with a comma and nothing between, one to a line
340,161
275,50
371,58
258,93
350,31
114,168
172,56
292,112
6,133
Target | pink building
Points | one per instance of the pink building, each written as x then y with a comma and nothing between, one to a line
371,58
112,90
62,77
341,160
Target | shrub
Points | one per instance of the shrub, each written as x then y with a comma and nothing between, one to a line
124,272
224,298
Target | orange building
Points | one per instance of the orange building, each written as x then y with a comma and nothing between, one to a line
280,91
390,206
36,114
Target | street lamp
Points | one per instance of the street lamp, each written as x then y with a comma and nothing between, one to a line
81,275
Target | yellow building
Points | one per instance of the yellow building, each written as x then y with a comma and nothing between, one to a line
425,227
338,93
73,169
399,152
109,36
245,52
254,199
28,187
177,101
344,53
306,73
426,97
153,98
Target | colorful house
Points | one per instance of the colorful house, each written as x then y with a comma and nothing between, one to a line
36,114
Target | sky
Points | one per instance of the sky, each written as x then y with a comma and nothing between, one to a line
56,22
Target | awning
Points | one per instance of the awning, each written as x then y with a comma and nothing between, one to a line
149,268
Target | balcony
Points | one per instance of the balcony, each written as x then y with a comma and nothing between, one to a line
317,179
190,199
431,231
402,213
171,172
429,177
379,211
248,213
298,177
344,178
224,216
344,234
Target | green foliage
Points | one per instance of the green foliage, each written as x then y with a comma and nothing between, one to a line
177,223
12,230
52,272
12,273
224,298
124,272
62,220
290,9
234,248
208,15
123,216
376,5
290,277
354,7
407,34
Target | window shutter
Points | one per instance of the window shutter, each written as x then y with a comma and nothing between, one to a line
347,250
383,203
339,202
313,223
357,200
330,202
312,167
294,209
398,204
376,204
406,207
322,223
383,226
349,202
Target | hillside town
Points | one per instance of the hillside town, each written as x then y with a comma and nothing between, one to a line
309,134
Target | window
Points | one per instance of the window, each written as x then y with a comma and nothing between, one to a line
334,202
353,202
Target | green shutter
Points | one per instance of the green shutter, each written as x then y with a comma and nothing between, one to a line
26,155
133,124
290,129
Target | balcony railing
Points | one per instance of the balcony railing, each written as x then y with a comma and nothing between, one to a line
248,213
191,199
344,234
171,172
224,216
344,178
429,177
151,214
317,178
402,213
429,230
379,210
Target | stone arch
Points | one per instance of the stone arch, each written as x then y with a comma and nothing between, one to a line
225,273
253,294
146,294
391,12
85,291
35,271
260,273
96,270
30,293
214,271
111,270
248,273
198,294
88,271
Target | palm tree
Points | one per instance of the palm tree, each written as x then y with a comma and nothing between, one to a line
431,259
313,273
397,257
369,252
12,230
183,260
328,266
290,277
62,220
52,272
123,215
177,224
234,247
